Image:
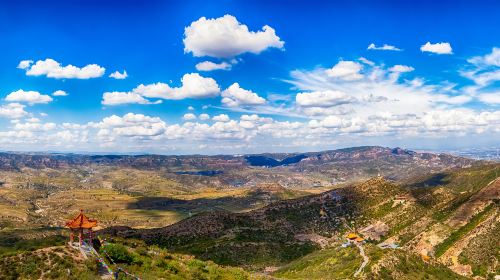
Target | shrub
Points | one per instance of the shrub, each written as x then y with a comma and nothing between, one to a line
169,266
118,253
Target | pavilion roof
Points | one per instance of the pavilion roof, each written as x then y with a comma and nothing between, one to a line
81,221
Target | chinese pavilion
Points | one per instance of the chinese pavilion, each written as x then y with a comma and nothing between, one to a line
83,226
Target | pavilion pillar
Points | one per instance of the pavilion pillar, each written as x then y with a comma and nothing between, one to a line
80,236
71,236
90,236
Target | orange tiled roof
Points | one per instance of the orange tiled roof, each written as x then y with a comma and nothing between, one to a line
81,221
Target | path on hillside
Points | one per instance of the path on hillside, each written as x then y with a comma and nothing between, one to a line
365,259
358,244
89,252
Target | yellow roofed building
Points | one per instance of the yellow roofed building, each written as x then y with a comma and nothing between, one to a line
352,236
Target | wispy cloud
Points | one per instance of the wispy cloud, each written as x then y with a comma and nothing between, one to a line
384,47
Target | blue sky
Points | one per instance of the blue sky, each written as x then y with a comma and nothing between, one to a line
248,76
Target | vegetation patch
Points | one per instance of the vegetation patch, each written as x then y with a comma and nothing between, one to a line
441,248
13,242
49,263
403,265
480,252
331,263
153,262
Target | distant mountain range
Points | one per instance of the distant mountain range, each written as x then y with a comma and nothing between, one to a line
294,170
10,161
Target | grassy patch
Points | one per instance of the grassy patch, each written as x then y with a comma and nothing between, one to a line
331,263
151,262
380,211
54,263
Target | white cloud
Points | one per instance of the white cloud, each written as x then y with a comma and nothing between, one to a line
362,103
130,125
189,117
255,118
24,64
204,117
67,136
437,48
190,108
119,76
193,86
491,59
235,96
366,61
35,126
210,66
385,47
226,37
24,135
221,118
329,122
254,121
484,71
248,133
490,98
429,124
59,93
452,100
53,69
33,119
119,98
377,90
327,98
30,97
483,77
401,68
346,70
13,111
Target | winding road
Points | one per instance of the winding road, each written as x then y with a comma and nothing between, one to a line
365,259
